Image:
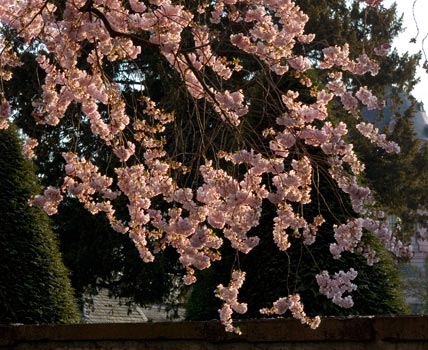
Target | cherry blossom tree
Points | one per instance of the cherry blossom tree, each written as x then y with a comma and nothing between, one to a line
255,105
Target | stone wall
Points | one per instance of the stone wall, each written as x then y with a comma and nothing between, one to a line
380,333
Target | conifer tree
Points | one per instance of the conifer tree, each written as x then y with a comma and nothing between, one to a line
398,181
34,285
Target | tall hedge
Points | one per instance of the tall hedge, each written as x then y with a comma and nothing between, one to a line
34,283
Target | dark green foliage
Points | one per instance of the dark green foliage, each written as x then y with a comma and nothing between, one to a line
398,180
34,285
99,257
336,22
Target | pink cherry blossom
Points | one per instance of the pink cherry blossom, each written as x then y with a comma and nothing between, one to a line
300,63
294,304
229,296
28,147
4,114
382,50
196,206
334,287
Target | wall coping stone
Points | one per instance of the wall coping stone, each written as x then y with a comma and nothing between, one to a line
332,329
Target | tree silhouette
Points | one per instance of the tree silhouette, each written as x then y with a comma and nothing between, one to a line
34,284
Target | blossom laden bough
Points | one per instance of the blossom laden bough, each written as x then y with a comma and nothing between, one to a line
294,304
229,296
75,45
335,287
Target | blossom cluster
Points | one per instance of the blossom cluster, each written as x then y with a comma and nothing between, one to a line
5,113
334,287
368,130
226,201
294,304
28,147
347,237
49,200
229,296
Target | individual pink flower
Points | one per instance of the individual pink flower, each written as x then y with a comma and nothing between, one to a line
49,201
4,114
300,63
382,50
124,152
28,147
367,98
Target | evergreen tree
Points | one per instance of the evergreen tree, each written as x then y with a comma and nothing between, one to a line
34,284
337,22
398,181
